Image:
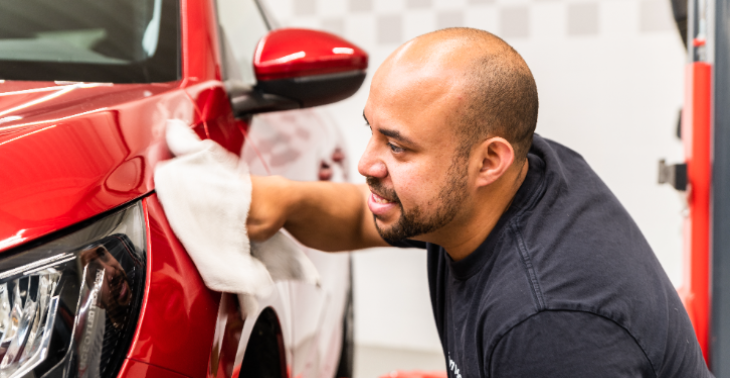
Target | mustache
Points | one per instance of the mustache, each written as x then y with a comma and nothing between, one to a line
377,187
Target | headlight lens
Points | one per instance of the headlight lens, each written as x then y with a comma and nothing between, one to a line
69,308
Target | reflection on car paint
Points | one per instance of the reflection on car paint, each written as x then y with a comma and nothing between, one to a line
227,337
299,144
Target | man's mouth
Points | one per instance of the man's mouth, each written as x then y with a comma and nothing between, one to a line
380,199
381,207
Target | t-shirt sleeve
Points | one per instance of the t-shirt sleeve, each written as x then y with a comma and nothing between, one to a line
568,344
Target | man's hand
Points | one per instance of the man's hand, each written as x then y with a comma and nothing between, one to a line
322,215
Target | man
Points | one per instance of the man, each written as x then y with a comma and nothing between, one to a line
535,269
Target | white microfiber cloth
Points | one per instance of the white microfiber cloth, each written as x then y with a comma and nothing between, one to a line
206,194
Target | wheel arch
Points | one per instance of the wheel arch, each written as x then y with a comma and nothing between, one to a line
265,354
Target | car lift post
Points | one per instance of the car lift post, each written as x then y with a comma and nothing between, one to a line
706,137
696,137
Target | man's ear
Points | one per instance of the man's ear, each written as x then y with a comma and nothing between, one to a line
493,157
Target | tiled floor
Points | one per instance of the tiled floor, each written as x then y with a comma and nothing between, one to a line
374,362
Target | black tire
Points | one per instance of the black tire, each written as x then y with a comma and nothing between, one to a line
347,353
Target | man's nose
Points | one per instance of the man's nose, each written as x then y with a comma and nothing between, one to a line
370,165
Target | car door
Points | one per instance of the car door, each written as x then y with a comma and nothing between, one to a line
302,145
306,145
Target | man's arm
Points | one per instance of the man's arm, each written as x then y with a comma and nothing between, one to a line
322,215
568,344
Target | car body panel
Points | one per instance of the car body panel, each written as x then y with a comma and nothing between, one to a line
227,338
200,45
178,319
69,131
132,368
213,116
79,150
306,145
80,153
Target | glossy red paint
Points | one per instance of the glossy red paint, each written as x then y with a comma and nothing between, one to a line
695,292
132,368
178,320
75,151
287,53
78,150
221,363
213,112
200,54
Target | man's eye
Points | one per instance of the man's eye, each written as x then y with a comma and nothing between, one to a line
395,148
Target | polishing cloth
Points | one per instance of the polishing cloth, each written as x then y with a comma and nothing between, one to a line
205,192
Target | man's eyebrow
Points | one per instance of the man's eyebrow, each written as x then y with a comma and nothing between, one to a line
391,133
395,134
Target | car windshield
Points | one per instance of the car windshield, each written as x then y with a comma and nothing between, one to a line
89,40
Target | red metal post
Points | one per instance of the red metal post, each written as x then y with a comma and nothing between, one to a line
696,135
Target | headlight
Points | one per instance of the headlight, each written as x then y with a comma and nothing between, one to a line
69,308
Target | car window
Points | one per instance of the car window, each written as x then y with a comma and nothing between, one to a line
242,26
89,40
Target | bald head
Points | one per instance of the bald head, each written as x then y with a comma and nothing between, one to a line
486,83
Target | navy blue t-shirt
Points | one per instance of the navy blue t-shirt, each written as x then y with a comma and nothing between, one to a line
565,285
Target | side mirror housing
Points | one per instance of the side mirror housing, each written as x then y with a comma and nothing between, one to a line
301,68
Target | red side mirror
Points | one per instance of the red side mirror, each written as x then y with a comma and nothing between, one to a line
289,53
299,68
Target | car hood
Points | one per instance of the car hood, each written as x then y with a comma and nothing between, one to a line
71,151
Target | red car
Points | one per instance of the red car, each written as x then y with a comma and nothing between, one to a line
93,282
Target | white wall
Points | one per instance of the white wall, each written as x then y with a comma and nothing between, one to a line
610,78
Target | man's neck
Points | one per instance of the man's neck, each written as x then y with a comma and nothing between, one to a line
466,236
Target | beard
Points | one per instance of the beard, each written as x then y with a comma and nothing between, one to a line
414,222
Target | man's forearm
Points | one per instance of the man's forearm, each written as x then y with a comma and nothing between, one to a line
322,215
330,216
